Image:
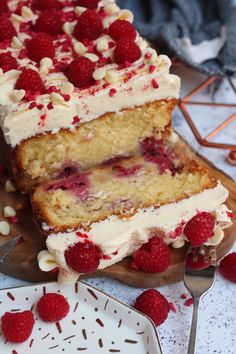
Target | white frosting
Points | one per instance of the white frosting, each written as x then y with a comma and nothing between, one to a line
119,238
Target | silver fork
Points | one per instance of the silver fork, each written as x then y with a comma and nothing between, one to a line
199,282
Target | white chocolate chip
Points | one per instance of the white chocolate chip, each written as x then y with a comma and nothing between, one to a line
4,228
46,261
16,43
26,12
57,99
9,212
102,45
43,70
163,62
46,62
16,19
111,76
17,95
93,57
217,238
126,15
79,10
67,88
10,186
80,48
67,28
99,74
111,9
178,243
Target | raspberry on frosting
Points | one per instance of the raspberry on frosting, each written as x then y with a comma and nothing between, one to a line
40,46
30,81
89,26
90,4
80,72
200,228
3,6
47,4
121,28
49,22
7,30
7,62
126,51
52,307
17,327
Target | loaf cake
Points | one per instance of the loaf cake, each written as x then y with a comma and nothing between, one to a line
118,206
78,86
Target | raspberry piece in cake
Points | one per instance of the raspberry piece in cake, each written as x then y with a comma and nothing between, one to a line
152,257
17,327
80,72
52,307
3,6
153,304
29,80
197,261
83,257
89,26
122,28
126,51
200,228
40,46
228,267
49,22
7,62
90,4
7,30
47,4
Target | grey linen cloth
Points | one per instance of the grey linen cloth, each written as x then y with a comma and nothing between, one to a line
201,33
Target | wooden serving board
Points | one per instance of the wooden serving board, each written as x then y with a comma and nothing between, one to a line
22,261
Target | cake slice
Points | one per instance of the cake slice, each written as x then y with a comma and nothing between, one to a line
78,86
118,206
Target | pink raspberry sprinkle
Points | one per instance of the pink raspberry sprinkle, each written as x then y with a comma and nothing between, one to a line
105,85
183,296
112,92
189,302
230,214
40,106
148,55
50,106
152,69
155,84
76,120
66,97
172,307
32,105
12,220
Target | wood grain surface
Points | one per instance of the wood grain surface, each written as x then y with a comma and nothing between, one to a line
22,261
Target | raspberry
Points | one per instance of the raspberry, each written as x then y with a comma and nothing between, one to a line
126,51
52,307
3,6
29,80
122,28
152,257
83,257
17,327
90,4
47,4
227,267
40,46
7,30
200,228
7,62
49,22
153,304
89,26
196,263
80,72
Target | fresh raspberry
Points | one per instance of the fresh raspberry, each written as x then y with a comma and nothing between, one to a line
153,304
3,6
196,263
122,28
17,327
80,72
89,26
83,257
7,30
30,81
52,307
49,22
90,4
7,62
40,46
152,257
200,228
47,4
126,51
227,267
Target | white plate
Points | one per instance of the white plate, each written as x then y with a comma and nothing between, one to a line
95,324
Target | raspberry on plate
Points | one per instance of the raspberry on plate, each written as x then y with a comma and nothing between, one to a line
49,22
121,28
40,46
90,4
152,257
7,30
3,6
80,72
126,51
17,326
227,267
47,4
89,26
52,307
83,257
29,80
153,304
7,62
200,228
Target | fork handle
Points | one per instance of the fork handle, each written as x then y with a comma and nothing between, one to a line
193,333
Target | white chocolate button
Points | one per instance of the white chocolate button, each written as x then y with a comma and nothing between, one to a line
4,228
80,48
67,88
178,243
99,74
93,57
10,186
46,261
9,212
16,43
26,12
